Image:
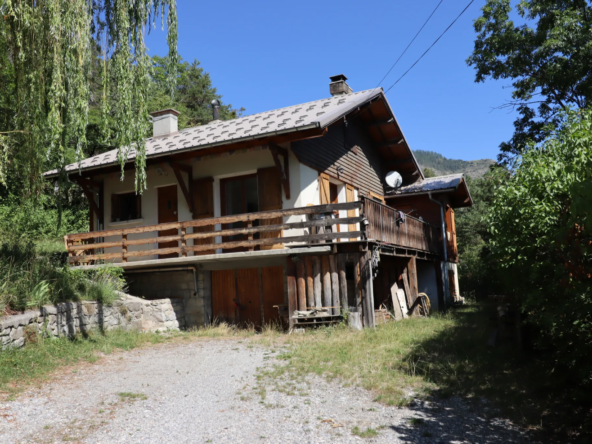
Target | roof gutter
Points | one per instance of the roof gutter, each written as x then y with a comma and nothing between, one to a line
444,264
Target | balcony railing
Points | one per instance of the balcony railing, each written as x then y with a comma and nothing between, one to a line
263,229
386,224
88,247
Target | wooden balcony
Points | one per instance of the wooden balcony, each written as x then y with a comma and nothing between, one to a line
376,222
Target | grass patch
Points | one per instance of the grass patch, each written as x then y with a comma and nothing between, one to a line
129,396
368,433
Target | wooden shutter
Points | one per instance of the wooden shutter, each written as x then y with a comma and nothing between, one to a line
350,196
451,235
324,189
270,198
114,207
377,197
203,203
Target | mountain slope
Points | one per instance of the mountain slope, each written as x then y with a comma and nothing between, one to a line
442,165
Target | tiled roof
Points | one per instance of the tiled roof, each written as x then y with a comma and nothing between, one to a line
449,181
317,114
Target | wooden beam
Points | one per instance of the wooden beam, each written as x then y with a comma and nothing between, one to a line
88,182
292,290
327,293
390,163
317,286
388,143
181,166
334,285
284,169
186,191
342,282
310,300
382,122
301,284
91,200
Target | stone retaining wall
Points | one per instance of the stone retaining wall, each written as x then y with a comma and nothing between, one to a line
71,318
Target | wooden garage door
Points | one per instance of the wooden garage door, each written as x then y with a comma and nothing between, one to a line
236,295
270,198
223,296
273,292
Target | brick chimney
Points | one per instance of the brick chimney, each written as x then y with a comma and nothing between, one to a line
338,86
164,122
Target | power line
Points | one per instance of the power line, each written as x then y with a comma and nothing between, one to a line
403,53
436,41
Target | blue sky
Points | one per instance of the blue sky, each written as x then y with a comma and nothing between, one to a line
264,55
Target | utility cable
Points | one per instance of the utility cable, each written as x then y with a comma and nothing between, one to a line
436,41
403,53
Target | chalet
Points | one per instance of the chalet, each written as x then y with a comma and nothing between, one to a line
275,215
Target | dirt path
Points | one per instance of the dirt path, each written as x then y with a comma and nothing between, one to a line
207,391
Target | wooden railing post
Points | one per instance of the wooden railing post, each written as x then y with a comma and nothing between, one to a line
183,241
250,235
124,247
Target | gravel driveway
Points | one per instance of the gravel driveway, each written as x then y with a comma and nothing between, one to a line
207,391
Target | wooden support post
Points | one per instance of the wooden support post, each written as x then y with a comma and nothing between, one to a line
413,283
367,293
310,299
183,242
334,284
301,285
318,289
407,288
261,298
292,291
284,169
124,247
357,283
177,168
327,296
393,275
342,282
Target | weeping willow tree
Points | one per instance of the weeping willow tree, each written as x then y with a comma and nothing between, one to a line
48,49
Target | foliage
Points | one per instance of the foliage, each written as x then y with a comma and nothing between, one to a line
193,94
29,279
541,235
34,220
50,49
428,172
479,274
435,164
547,58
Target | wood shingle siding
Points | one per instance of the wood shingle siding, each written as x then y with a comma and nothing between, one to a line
336,149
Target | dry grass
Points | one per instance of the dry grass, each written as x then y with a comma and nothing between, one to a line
377,360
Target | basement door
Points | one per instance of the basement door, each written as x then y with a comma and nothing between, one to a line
167,212
246,296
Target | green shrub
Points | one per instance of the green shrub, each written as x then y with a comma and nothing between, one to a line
541,236
29,279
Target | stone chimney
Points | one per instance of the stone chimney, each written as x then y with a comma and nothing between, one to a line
164,122
338,87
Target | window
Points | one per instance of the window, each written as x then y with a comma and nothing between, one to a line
239,195
125,207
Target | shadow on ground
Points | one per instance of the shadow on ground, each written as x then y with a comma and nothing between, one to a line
517,385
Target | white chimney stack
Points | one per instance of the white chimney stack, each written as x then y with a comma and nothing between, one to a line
164,122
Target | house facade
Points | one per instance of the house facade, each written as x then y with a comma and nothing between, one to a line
271,217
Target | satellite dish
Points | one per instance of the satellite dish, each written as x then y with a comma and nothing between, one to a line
393,179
